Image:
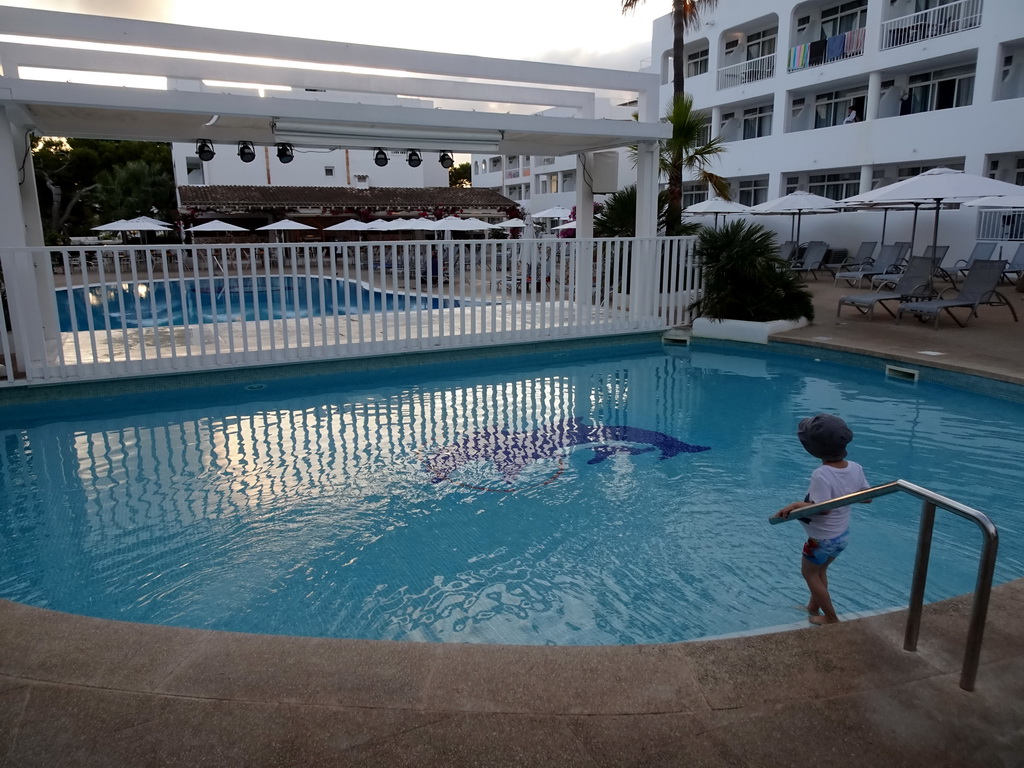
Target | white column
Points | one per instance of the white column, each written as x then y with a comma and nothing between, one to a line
29,283
647,189
584,196
874,95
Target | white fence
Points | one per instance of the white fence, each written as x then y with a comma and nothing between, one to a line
942,20
109,312
746,72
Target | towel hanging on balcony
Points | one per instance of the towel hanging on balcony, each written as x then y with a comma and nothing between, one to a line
835,46
817,53
799,56
855,42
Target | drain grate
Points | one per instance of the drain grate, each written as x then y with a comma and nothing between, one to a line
903,374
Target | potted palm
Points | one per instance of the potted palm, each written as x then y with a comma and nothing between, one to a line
749,292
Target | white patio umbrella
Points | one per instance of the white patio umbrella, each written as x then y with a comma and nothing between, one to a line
716,206
938,186
216,226
132,225
352,225
567,225
284,225
148,220
1008,201
512,224
558,212
796,204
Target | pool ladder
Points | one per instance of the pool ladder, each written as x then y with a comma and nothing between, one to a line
986,567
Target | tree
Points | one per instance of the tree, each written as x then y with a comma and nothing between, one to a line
67,170
685,15
460,175
136,188
687,153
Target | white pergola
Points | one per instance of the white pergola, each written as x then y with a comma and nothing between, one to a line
326,103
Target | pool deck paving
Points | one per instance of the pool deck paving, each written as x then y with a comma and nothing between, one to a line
77,691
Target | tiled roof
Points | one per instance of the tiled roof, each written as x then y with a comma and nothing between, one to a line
251,198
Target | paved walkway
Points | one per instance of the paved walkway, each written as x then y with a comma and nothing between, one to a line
76,691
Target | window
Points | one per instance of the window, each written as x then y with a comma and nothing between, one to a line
835,185
761,43
569,181
549,183
495,164
844,18
704,135
831,108
753,191
941,89
693,193
328,170
792,184
697,63
1020,173
757,122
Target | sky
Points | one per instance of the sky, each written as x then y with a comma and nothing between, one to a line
591,33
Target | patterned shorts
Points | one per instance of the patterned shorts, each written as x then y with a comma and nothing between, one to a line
818,551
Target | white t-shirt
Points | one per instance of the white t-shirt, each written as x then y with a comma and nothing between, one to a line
831,483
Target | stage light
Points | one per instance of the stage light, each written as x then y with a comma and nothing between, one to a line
414,159
380,157
246,151
446,160
285,153
205,150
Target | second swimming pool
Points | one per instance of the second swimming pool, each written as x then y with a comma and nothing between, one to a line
605,497
160,303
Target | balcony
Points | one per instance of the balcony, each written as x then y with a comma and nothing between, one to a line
746,72
845,45
935,22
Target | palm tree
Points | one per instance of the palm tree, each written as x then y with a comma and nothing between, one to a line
685,15
687,152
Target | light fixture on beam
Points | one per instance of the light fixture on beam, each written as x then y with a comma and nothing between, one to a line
285,153
380,158
370,137
414,159
446,160
205,150
246,151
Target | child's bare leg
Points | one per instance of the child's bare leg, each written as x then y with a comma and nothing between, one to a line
817,583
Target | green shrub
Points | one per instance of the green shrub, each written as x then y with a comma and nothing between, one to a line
744,279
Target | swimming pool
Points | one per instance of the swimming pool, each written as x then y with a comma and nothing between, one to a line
146,304
611,497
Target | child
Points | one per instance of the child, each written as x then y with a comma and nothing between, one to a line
825,437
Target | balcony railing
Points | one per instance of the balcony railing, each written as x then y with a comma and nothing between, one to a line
746,72
935,22
845,45
1000,224
136,311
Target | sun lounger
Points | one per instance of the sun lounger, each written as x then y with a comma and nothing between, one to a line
979,288
1013,270
886,261
981,252
915,282
930,253
810,261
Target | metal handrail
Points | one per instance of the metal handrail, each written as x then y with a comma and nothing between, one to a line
986,567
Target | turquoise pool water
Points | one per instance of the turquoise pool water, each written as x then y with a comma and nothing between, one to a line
206,299
612,496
